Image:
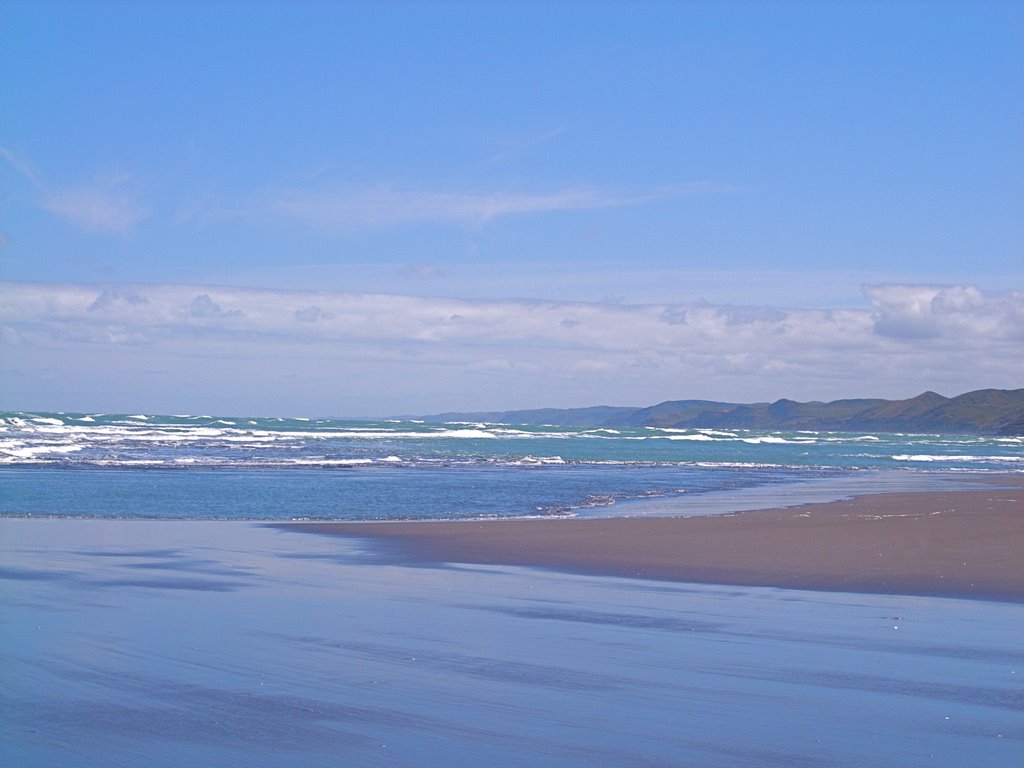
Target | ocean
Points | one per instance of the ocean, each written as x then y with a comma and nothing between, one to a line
228,468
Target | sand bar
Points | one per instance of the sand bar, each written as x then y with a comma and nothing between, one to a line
950,543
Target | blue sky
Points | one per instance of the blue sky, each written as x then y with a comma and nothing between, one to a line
748,171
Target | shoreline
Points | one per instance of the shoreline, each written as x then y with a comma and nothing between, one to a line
956,543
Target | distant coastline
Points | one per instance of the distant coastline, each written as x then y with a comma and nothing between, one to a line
982,412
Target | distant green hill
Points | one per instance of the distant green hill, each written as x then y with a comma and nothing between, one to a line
984,412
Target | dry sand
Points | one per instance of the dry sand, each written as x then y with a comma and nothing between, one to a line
955,543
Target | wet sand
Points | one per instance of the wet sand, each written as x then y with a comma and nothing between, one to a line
170,643
965,543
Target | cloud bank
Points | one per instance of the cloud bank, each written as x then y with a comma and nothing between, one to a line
405,353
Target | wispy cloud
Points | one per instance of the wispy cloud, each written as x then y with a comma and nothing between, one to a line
108,202
514,147
352,207
21,165
383,205
111,202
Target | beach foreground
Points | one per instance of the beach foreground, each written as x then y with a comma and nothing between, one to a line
170,643
964,543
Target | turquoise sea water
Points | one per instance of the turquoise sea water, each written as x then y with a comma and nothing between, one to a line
202,467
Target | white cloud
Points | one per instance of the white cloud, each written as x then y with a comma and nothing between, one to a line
204,308
112,297
417,353
110,202
20,165
951,312
106,203
513,147
311,315
382,205
351,207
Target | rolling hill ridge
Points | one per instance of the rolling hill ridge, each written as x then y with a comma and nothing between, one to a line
983,412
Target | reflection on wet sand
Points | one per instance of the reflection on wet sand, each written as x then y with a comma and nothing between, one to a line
232,643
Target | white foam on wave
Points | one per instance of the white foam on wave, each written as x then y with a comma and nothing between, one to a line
735,465
474,433
47,421
772,440
589,434
224,430
30,452
927,457
139,417
711,432
700,438
319,461
358,429
173,433
538,460
128,462
323,461
382,434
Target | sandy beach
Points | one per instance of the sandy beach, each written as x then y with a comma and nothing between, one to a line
231,643
965,543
